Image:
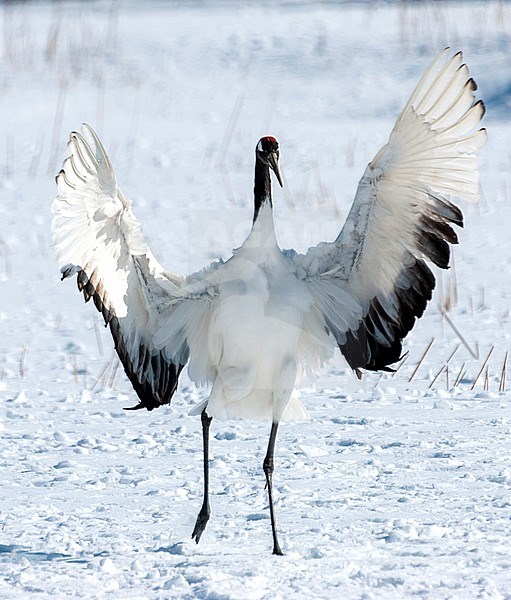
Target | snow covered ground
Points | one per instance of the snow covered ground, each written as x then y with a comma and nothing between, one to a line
394,488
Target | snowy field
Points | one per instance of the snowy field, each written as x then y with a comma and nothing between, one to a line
399,486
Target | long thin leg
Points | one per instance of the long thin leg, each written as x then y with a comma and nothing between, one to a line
268,467
205,511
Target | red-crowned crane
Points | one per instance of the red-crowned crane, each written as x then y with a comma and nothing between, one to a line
246,326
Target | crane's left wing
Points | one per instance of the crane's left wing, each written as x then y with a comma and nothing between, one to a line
401,217
97,237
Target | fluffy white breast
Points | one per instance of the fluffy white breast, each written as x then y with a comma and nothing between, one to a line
260,325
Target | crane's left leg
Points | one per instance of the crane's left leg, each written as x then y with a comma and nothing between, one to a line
268,467
205,511
283,385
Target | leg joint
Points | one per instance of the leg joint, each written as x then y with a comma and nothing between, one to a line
268,465
205,419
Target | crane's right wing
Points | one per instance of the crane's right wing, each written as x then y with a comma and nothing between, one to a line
400,219
97,237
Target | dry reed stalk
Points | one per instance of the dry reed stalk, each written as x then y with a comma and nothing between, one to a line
447,305
7,258
101,375
8,34
421,359
324,198
405,358
98,335
52,41
100,102
454,280
443,366
482,301
351,148
112,29
482,368
114,374
104,379
456,331
21,365
440,288
502,384
460,376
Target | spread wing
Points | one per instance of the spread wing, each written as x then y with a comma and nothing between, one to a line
97,237
400,218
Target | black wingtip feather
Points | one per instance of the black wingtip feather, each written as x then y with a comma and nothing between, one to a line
445,210
81,280
438,228
365,350
471,84
434,248
166,384
152,391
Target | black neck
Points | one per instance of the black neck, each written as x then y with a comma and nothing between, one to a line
262,186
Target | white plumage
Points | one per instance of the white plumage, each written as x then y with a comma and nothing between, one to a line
248,325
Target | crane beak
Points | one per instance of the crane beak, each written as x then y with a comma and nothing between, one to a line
273,159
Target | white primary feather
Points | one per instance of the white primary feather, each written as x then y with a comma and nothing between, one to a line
249,325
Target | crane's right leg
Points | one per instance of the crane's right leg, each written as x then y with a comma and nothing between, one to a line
268,467
205,511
